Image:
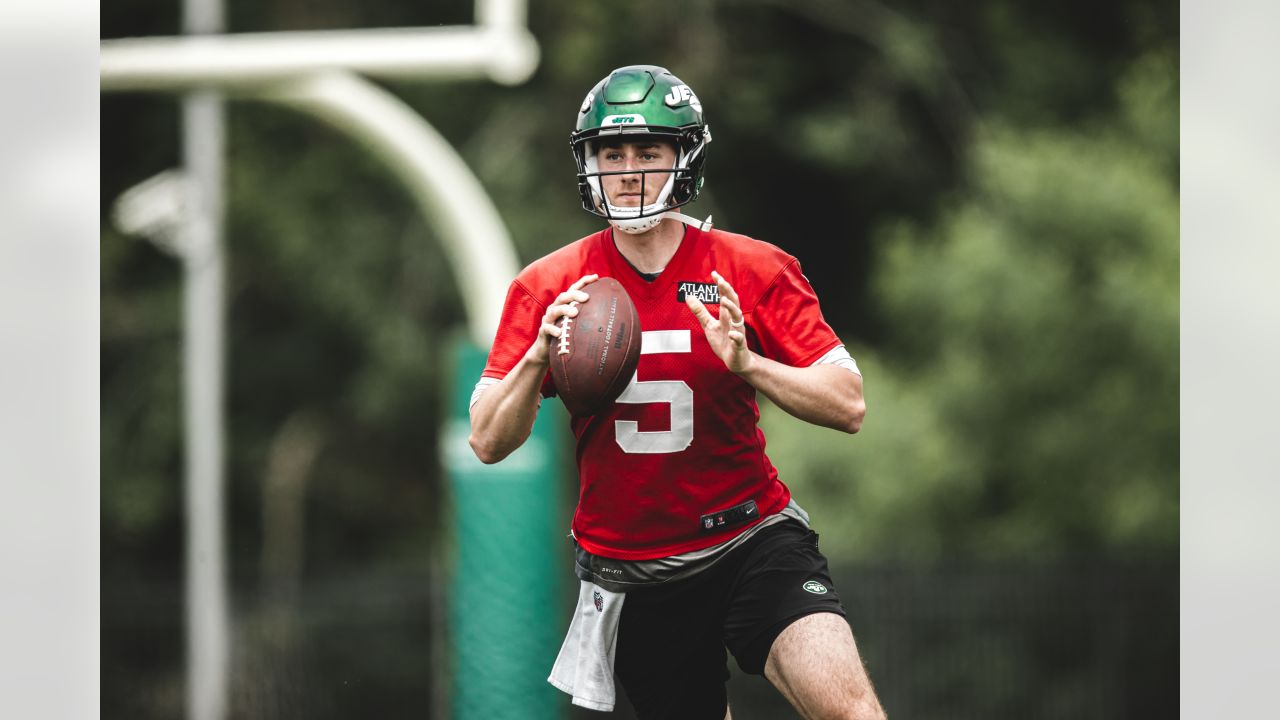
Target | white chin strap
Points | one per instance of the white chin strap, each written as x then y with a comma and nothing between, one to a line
629,220
703,225
639,225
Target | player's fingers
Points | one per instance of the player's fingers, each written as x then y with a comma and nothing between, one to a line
737,337
584,280
571,297
551,329
699,310
723,285
559,310
555,312
729,307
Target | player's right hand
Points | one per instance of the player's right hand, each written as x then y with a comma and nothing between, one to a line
565,304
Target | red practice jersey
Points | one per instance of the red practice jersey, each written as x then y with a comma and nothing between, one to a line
682,441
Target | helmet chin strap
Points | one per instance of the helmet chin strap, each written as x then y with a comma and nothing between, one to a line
703,225
636,225
644,224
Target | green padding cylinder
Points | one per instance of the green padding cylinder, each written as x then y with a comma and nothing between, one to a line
507,564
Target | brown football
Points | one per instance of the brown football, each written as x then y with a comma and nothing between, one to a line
597,353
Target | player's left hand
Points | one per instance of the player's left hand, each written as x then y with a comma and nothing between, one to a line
727,333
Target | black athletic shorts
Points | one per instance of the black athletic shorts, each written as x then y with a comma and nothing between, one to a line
670,656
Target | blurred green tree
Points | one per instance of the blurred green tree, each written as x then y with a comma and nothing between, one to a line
1026,404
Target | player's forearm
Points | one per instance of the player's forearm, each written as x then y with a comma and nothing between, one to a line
824,395
503,416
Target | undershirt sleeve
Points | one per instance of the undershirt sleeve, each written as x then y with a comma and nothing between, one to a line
840,357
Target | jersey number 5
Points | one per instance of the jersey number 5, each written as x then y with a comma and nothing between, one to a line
676,393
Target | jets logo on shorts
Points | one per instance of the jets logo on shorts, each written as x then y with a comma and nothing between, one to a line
815,587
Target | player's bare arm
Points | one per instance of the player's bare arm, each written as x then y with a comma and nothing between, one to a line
824,395
502,418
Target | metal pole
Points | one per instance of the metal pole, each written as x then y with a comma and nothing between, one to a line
206,592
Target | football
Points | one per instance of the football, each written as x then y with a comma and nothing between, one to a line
597,353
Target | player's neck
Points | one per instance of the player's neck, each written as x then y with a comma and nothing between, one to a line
650,251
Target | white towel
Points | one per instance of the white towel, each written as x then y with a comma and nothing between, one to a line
584,667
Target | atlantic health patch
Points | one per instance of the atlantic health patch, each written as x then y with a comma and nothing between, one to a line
708,293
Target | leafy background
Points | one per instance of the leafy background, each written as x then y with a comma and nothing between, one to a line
984,195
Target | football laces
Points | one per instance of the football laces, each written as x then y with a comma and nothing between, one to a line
564,331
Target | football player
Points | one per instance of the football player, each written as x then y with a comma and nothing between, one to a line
688,545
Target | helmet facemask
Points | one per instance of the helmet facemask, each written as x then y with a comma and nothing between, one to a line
681,185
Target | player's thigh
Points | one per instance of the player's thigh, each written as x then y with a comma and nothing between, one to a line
814,663
782,577
670,658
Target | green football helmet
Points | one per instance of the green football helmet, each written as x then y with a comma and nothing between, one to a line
638,101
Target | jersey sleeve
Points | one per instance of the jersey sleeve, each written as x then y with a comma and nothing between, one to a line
788,322
517,329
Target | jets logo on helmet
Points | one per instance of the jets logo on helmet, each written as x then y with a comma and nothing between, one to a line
682,93
624,120
638,101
